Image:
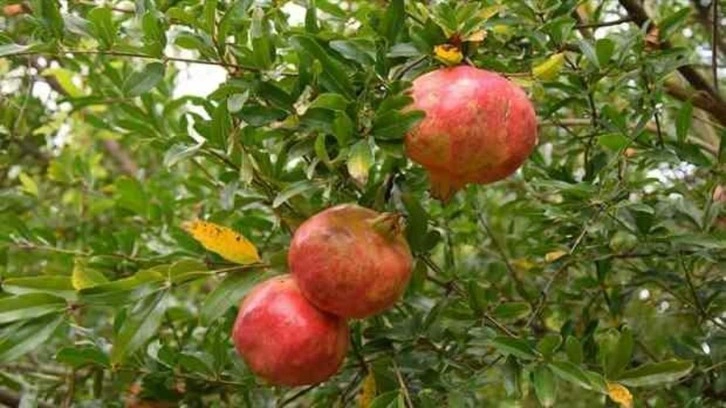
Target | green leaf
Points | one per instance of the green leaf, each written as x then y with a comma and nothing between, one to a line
545,385
125,290
394,125
180,152
237,101
311,19
195,364
613,141
28,306
145,80
221,126
604,48
359,50
656,373
24,337
140,325
573,348
342,128
571,372
82,355
330,101
597,382
130,195
263,50
293,190
516,347
333,77
549,343
7,50
589,52
416,222
228,294
683,121
393,20
54,285
617,356
154,34
385,400
103,26
512,310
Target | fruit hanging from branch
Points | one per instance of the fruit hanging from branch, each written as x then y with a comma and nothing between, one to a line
286,340
479,128
351,261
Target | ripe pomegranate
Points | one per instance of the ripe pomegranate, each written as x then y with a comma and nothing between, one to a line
351,261
479,128
286,340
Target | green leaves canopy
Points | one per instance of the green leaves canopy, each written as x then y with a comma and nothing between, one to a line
104,155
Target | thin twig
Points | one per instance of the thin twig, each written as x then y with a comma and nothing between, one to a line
518,284
605,24
714,40
404,388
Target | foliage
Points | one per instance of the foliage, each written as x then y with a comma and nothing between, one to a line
598,266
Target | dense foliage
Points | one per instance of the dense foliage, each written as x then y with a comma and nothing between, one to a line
601,262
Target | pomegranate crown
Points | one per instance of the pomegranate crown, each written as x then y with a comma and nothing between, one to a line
389,225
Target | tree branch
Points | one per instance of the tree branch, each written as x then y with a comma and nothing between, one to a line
12,399
641,18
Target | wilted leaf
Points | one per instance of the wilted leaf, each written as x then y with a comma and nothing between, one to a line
84,277
621,395
360,160
550,68
448,54
229,244
367,391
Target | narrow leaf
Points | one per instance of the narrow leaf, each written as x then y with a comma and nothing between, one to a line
656,373
140,325
28,306
229,244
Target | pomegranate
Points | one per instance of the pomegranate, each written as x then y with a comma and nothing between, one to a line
479,128
286,340
351,261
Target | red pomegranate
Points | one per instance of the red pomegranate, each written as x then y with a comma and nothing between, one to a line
286,340
479,128
351,261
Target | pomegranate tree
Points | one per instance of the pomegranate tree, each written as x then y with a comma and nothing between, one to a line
351,261
286,340
479,128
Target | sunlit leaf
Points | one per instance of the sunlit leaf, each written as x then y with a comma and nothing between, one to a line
229,244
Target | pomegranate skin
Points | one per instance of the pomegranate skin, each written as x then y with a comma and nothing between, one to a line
479,128
284,339
351,261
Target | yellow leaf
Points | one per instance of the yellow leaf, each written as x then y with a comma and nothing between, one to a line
476,36
550,68
555,255
448,54
621,395
367,391
28,184
223,241
523,264
64,78
488,12
360,162
502,29
83,277
522,81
